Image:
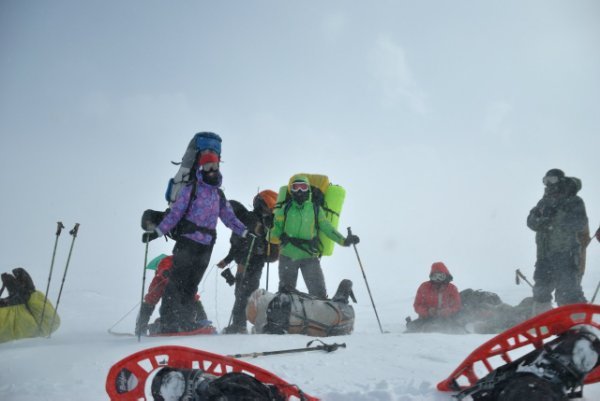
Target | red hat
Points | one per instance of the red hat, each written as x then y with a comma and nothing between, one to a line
208,157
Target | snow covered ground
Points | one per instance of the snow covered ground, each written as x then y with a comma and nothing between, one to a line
74,362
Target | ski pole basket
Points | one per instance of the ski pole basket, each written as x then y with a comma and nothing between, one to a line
130,378
532,333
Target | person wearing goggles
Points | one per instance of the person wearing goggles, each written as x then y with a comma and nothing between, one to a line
194,216
561,228
437,302
296,228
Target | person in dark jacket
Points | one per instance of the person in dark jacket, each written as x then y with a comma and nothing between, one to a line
255,255
437,302
560,222
199,205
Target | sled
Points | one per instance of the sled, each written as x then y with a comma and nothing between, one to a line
130,379
199,331
531,332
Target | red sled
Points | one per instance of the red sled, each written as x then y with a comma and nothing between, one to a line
141,367
531,332
199,331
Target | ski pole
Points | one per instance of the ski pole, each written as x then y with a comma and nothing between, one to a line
324,347
59,227
73,232
244,272
519,276
143,286
595,293
268,257
366,282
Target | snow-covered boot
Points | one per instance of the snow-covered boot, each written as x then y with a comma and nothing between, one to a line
141,324
172,384
235,329
343,292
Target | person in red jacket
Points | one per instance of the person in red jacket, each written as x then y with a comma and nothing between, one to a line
437,302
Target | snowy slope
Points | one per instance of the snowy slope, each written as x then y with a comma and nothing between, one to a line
72,365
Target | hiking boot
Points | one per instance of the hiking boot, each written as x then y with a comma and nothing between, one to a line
235,329
141,324
24,279
343,292
16,293
199,310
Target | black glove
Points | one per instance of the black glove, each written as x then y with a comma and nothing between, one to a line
149,236
597,235
351,239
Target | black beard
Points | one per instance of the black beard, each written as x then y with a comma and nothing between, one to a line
300,197
211,177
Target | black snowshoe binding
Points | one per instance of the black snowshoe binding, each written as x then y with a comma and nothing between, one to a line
171,384
554,372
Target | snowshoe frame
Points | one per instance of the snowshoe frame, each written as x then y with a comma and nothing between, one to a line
141,365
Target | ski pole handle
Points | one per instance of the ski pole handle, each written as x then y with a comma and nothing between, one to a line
59,227
349,231
74,231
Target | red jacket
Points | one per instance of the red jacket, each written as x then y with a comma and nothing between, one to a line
443,298
160,281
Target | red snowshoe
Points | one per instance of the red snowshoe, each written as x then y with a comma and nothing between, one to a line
533,333
133,378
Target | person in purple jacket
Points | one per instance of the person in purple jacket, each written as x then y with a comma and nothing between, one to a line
195,212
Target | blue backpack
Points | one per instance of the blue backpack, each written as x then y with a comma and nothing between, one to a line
187,167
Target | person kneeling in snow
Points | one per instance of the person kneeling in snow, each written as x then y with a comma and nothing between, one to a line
294,312
554,372
162,264
437,302
25,312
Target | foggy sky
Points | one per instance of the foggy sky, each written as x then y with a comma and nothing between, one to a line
439,118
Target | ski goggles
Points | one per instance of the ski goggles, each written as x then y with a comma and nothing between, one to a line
300,186
550,180
438,276
212,166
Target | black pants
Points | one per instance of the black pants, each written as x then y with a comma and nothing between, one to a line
560,273
177,310
245,284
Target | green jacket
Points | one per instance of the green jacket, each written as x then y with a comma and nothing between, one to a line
300,224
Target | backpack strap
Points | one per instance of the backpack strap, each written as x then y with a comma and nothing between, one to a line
310,246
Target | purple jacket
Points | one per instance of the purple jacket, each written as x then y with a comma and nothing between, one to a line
204,211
